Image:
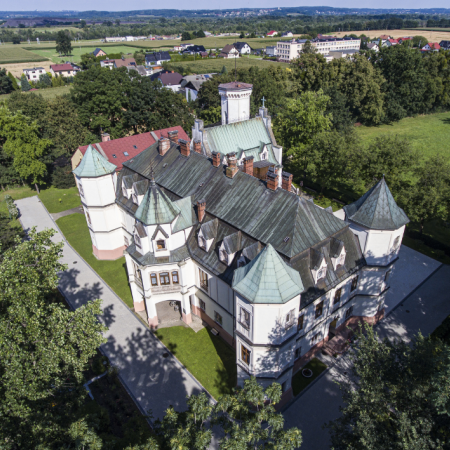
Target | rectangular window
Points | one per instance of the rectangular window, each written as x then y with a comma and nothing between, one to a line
387,275
164,278
319,309
315,338
217,318
88,218
354,284
161,244
300,322
290,318
245,355
175,279
203,279
154,279
125,240
202,305
137,240
80,188
245,318
337,296
137,275
349,312
298,353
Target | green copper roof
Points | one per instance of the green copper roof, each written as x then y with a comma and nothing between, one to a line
267,279
187,217
93,165
377,209
156,207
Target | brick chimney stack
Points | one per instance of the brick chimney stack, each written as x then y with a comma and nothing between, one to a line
163,145
105,137
184,147
216,159
197,146
272,180
286,181
248,165
173,136
232,165
201,206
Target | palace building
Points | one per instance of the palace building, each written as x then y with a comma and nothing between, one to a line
215,226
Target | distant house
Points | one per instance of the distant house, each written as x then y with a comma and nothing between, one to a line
272,33
169,79
114,39
115,63
156,58
229,51
404,39
384,37
194,49
34,74
445,45
192,84
373,47
62,70
243,48
287,34
130,38
391,42
271,50
141,70
431,47
98,52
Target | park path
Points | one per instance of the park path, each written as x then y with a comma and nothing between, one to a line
154,379
417,301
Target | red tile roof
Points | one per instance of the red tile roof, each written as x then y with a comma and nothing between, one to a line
434,45
115,148
60,67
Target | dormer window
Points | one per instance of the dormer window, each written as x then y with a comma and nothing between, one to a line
321,273
202,242
223,256
341,260
160,244
135,199
124,192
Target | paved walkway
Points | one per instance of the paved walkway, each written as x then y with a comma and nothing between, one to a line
67,212
422,310
155,381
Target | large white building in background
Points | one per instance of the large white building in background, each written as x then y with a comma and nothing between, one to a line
289,50
215,226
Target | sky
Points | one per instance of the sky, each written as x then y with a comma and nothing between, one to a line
120,5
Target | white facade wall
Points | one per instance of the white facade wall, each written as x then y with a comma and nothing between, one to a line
235,105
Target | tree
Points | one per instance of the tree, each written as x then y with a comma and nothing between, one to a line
247,420
398,396
139,57
8,234
6,85
44,347
24,84
117,21
224,70
13,81
23,144
16,40
82,23
63,43
200,34
302,119
308,48
338,108
45,80
419,41
242,36
185,36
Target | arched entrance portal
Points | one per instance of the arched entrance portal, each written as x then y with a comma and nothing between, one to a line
169,313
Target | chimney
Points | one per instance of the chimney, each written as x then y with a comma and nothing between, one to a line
216,159
184,147
272,180
232,165
173,136
248,165
105,137
201,206
286,181
197,146
163,145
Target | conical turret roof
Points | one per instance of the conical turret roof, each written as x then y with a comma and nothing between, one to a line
156,207
377,209
267,279
93,165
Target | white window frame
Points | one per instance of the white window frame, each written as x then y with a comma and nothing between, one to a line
243,319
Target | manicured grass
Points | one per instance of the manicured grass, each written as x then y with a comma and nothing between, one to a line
299,382
206,356
57,200
46,93
75,229
429,134
17,54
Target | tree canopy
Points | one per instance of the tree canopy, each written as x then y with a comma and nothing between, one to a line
6,85
63,43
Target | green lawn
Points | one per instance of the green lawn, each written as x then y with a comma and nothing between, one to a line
429,134
46,93
17,54
207,357
58,200
299,382
75,229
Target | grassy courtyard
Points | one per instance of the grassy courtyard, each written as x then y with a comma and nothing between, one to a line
207,357
299,382
75,230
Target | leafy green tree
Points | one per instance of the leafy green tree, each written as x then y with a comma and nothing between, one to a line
32,105
63,43
339,110
82,23
13,81
224,70
6,85
301,120
242,36
44,347
16,40
62,177
24,84
308,48
45,80
398,396
211,115
419,41
200,34
139,57
8,233
186,36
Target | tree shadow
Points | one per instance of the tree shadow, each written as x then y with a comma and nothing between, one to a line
446,120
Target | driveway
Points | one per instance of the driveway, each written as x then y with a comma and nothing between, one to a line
155,381
417,301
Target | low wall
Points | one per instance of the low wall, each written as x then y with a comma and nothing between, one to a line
108,254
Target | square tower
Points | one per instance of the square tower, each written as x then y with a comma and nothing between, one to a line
235,101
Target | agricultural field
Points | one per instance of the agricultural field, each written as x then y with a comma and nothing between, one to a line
429,134
48,94
17,69
432,36
10,54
